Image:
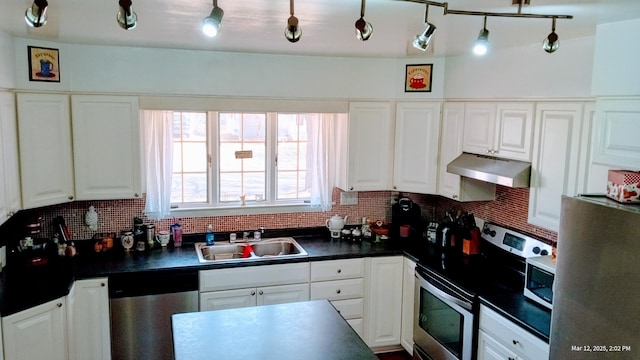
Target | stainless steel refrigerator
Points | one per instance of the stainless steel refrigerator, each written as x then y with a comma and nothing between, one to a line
596,301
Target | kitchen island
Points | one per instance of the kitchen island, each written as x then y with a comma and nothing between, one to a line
303,330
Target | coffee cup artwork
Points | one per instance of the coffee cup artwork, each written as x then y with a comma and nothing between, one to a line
43,64
418,78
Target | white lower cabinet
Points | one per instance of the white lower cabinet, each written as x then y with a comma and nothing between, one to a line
36,333
253,285
383,313
408,294
341,282
500,338
88,324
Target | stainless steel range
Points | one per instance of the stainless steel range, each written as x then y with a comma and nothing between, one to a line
448,285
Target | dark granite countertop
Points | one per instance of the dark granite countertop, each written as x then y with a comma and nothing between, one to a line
515,307
304,330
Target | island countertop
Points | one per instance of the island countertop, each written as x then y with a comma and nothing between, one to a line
303,330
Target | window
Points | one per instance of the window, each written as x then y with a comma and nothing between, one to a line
221,159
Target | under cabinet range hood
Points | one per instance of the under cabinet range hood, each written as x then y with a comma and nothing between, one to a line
511,173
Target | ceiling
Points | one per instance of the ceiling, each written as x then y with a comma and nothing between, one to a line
257,26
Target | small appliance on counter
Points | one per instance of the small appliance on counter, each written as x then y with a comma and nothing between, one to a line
335,225
539,280
405,219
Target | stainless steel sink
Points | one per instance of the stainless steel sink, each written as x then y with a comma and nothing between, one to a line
274,248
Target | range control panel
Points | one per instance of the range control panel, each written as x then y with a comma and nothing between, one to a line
514,242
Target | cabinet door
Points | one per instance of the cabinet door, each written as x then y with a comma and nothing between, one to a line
11,202
408,293
106,140
46,157
490,349
88,322
227,299
384,299
451,185
556,161
514,131
36,333
479,128
369,147
272,295
416,147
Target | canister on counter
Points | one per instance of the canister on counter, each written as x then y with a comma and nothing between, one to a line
150,232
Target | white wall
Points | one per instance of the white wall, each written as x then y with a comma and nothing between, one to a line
523,72
7,62
109,69
616,71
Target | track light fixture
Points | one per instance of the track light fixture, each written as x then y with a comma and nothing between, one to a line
211,24
551,43
36,14
363,28
292,32
127,18
422,40
481,45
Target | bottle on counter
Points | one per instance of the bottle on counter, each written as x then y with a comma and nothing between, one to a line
209,236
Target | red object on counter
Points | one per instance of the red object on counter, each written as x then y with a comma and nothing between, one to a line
472,246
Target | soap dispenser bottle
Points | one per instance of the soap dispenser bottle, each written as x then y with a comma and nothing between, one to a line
209,237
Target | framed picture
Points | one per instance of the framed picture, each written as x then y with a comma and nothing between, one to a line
44,64
418,78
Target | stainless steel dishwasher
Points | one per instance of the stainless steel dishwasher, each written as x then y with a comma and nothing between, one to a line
141,308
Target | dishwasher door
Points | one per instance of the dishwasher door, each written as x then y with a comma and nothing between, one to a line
141,308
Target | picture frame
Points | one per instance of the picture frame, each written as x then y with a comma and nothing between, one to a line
44,64
418,78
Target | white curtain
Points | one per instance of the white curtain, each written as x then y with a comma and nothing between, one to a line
322,154
158,161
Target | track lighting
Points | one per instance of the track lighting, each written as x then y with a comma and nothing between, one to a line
211,24
127,18
481,45
551,43
363,28
292,32
36,14
422,40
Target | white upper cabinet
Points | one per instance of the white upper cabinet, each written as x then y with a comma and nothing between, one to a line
499,129
450,185
46,159
106,140
416,147
559,154
366,154
10,201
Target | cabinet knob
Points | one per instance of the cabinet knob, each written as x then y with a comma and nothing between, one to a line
515,342
59,305
455,196
253,292
103,284
70,197
351,188
136,195
260,292
339,271
395,187
338,291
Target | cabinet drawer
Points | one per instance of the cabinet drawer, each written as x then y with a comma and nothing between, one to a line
350,309
337,269
512,336
337,290
254,276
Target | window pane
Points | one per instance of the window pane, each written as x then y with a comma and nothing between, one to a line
230,187
292,156
195,188
194,157
228,161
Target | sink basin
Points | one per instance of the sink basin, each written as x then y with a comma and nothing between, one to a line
275,248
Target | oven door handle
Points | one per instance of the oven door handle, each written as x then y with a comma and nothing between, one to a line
446,296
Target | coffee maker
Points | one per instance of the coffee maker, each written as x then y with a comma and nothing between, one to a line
405,219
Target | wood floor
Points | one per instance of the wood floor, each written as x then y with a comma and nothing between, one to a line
397,355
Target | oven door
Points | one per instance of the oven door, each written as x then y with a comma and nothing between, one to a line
443,327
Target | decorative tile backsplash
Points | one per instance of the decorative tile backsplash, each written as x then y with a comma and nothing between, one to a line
510,209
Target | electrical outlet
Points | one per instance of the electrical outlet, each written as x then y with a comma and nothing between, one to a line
349,198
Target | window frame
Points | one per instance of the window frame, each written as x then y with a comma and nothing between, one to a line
213,206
